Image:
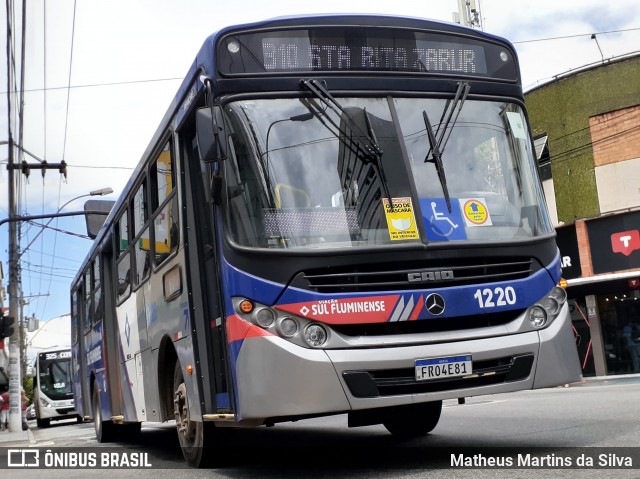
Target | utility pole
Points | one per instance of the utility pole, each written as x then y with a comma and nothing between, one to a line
468,14
15,416
15,381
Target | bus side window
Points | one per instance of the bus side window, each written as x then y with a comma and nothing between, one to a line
98,303
75,316
123,258
142,241
88,284
143,256
164,205
124,276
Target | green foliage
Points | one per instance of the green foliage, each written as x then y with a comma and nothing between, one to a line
561,109
27,384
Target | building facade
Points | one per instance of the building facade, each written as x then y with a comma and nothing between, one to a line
586,126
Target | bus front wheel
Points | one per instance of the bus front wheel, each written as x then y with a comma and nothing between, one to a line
193,435
413,420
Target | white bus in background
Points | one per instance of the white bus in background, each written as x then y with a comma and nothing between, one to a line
52,391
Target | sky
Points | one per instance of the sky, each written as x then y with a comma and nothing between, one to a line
100,76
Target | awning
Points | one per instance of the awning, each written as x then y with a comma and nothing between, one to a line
602,277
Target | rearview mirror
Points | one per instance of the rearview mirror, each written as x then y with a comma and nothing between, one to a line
96,220
210,134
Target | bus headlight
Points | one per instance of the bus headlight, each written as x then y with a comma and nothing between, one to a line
288,327
548,308
315,335
559,294
264,317
550,305
299,330
45,403
537,315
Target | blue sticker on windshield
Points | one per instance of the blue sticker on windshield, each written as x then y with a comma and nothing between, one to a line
442,225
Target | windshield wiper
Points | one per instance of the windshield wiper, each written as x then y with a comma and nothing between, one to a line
439,139
365,144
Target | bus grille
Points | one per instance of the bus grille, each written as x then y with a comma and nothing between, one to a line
395,382
395,276
432,325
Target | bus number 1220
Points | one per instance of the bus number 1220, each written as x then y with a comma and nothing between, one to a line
491,298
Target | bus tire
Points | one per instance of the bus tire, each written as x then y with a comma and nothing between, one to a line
105,430
194,436
43,422
412,420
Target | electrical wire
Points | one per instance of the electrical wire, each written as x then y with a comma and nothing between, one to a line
70,233
66,120
577,35
98,85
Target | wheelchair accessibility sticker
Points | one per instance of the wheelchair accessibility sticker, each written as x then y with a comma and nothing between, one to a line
400,220
475,211
442,225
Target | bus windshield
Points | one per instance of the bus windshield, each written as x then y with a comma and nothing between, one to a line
297,177
54,376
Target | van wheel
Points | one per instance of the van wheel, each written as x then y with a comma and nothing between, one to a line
43,422
105,430
194,436
413,420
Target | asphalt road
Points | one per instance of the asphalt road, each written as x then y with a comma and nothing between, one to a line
593,419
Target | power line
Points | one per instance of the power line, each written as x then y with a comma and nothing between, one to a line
42,266
101,167
97,85
70,233
66,119
57,256
567,154
46,276
91,166
576,35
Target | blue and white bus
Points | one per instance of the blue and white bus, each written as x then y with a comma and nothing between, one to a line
337,214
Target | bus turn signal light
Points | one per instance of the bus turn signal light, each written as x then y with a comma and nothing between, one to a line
245,306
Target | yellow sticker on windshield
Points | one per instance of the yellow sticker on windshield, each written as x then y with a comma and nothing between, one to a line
400,219
475,212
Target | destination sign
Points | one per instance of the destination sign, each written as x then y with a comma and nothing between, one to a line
55,355
281,54
340,49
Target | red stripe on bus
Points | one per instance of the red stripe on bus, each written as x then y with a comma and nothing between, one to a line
238,329
416,311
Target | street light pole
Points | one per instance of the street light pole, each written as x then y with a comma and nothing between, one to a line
101,192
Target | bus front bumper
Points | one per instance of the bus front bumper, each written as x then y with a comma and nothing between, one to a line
278,379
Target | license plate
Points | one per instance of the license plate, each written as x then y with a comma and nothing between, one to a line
438,368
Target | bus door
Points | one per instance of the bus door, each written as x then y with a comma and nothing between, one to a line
210,342
109,330
79,367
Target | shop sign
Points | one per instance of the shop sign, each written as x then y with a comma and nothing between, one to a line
569,252
615,242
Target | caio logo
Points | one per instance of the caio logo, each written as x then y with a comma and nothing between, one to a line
625,242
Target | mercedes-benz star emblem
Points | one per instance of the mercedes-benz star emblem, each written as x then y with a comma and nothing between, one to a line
434,304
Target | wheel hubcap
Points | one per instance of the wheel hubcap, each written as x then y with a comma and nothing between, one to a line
186,427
